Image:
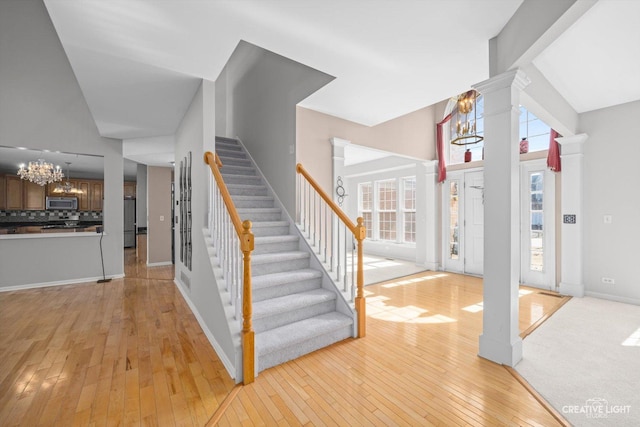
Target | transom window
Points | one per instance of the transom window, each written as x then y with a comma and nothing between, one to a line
534,130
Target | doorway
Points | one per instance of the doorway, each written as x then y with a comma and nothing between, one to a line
464,222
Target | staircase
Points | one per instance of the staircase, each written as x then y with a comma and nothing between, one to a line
295,307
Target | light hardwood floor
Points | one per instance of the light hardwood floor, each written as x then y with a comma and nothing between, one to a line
418,365
130,352
127,352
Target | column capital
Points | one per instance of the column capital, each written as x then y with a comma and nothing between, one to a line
339,142
428,167
572,144
513,78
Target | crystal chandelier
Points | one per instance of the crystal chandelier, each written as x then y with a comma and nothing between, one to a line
67,187
40,172
464,118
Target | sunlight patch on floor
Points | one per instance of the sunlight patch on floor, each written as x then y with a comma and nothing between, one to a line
633,340
407,281
476,308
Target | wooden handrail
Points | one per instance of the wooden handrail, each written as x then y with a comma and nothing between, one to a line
243,230
359,232
302,171
213,159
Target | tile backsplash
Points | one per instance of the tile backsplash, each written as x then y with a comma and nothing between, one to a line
50,215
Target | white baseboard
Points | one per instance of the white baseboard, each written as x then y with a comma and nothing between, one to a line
56,283
158,264
615,298
231,369
432,266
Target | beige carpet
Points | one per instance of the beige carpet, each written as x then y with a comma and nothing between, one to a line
585,360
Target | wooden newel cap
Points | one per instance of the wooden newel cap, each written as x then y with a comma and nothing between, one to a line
362,230
206,156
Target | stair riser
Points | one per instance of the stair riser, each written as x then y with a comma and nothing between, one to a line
289,353
261,216
228,146
244,191
277,267
242,179
257,203
284,318
232,161
267,248
286,289
228,154
270,231
238,170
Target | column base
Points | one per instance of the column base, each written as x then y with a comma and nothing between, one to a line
574,290
504,353
433,266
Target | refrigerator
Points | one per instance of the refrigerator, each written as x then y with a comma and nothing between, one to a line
129,223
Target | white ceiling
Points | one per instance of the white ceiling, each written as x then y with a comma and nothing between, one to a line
596,62
139,62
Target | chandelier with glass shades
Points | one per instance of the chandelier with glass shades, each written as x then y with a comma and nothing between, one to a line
67,187
40,172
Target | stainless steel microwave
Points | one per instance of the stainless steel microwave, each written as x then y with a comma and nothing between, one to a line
62,203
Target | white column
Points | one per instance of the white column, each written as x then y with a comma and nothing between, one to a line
427,208
338,145
571,282
500,340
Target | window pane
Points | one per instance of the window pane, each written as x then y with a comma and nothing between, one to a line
453,220
409,226
367,223
387,195
364,196
536,235
387,224
410,193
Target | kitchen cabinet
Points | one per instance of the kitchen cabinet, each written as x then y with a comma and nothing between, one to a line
129,190
96,195
83,199
14,192
3,193
33,196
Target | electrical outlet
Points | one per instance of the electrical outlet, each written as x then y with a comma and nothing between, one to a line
608,281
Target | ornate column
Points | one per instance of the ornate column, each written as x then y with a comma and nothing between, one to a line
571,282
500,340
427,208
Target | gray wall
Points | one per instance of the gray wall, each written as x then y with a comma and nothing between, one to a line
199,285
611,155
260,96
42,107
159,207
141,196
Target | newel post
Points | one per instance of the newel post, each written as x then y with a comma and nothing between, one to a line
248,347
360,303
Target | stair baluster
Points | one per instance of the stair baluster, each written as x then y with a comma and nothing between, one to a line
313,207
234,243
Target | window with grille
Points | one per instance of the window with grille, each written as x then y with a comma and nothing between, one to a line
387,196
409,210
365,205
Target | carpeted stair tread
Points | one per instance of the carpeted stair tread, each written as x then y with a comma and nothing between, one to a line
275,279
291,302
266,224
226,139
222,153
258,210
228,146
275,239
298,332
278,257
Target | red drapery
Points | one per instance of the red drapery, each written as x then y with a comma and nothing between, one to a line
442,167
553,158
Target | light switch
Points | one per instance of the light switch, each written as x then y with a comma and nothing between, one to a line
161,217
608,219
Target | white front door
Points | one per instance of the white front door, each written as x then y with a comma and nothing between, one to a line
464,222
537,196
